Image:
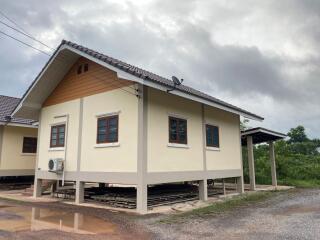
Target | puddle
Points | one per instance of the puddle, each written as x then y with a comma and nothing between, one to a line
18,218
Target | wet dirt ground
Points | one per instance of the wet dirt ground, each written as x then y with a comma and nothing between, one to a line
293,214
59,221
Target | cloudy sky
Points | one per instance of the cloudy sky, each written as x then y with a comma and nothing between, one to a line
263,56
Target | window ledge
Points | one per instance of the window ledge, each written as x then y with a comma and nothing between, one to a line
212,149
106,145
178,145
56,149
28,154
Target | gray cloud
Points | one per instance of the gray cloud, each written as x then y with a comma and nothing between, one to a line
261,55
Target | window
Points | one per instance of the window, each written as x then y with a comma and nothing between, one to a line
29,145
57,136
107,129
177,130
86,67
79,71
212,136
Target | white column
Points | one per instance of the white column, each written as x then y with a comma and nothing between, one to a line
142,198
142,185
273,164
251,163
79,192
203,190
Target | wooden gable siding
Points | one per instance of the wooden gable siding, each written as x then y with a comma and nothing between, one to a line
96,80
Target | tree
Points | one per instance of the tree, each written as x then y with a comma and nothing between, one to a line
297,135
244,124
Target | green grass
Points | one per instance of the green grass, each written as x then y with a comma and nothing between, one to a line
221,207
311,183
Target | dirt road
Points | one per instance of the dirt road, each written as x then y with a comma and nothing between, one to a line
290,215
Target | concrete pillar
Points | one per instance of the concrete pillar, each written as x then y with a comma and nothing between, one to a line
79,192
203,190
53,188
142,198
273,164
37,188
240,185
223,187
251,163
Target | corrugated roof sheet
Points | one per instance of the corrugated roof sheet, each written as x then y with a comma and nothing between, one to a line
7,105
146,75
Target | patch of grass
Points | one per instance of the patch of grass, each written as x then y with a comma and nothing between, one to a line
311,183
220,207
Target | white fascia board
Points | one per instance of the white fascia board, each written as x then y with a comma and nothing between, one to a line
124,75
17,125
22,102
263,131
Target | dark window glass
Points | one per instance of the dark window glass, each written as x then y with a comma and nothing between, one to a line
177,130
108,129
29,145
79,71
86,67
212,136
57,136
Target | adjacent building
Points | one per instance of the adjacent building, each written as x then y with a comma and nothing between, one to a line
18,141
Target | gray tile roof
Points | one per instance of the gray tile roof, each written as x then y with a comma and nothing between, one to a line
146,75
7,105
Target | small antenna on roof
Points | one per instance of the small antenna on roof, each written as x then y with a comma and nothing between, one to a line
176,82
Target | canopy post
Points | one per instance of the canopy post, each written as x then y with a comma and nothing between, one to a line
273,163
251,163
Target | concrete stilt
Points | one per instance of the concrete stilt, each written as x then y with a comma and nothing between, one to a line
251,163
37,190
273,164
142,198
53,188
223,187
240,185
203,190
79,192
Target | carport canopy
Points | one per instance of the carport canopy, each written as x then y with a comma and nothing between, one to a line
256,136
260,135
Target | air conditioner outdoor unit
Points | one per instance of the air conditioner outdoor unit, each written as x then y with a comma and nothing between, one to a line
56,165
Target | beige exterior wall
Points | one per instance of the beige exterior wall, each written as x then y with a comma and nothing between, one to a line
123,156
50,116
12,157
119,158
228,156
164,158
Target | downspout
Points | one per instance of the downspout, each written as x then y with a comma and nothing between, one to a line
65,144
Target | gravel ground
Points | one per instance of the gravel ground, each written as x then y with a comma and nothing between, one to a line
290,215
293,214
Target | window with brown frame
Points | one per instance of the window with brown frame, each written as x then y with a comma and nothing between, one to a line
177,130
212,136
57,138
107,129
29,145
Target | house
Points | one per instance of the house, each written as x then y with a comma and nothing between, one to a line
111,122
18,141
